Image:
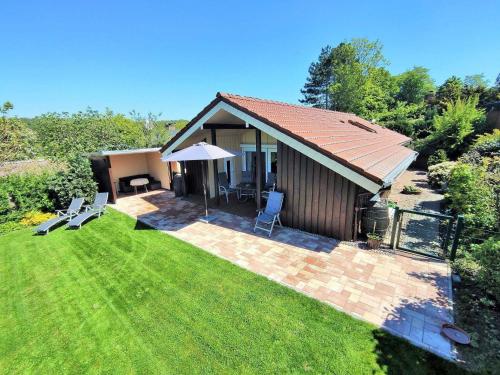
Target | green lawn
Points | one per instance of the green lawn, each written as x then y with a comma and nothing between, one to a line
116,297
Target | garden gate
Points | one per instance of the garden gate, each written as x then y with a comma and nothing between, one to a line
426,233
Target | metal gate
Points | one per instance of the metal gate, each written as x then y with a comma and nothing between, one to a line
425,233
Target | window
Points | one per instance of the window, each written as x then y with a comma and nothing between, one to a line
269,158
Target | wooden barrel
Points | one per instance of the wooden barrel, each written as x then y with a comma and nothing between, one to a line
378,217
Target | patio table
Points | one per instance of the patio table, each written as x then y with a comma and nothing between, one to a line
139,182
246,190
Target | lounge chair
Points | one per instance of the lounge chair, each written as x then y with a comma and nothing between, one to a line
267,217
224,187
62,215
95,209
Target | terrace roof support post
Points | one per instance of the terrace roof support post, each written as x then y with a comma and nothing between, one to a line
258,167
183,174
216,169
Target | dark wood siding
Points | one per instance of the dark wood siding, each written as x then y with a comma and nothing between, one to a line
317,199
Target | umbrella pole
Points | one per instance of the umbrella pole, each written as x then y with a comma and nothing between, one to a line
204,188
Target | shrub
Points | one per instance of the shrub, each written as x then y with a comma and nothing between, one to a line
21,193
470,194
437,157
453,128
33,218
466,266
76,181
10,226
439,174
487,143
488,257
17,141
410,189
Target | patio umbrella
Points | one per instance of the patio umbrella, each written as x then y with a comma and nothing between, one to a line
200,151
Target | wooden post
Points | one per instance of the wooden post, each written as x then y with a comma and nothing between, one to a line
170,176
395,222
114,194
216,169
183,174
258,175
456,238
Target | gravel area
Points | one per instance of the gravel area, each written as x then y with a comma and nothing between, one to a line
420,233
429,200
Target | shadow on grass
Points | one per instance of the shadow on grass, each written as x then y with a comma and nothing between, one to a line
396,357
139,225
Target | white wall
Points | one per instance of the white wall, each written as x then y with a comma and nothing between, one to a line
144,163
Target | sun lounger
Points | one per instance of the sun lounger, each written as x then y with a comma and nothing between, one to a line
62,215
95,209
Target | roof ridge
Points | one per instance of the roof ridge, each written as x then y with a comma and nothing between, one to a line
229,95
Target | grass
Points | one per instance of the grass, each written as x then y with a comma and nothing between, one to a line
115,297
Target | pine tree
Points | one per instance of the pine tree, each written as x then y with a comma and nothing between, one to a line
316,88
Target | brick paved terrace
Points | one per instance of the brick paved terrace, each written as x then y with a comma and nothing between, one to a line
406,294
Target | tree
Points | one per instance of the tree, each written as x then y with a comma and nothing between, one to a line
404,118
456,123
76,181
360,82
156,132
63,135
449,91
475,81
347,79
315,89
414,85
17,141
350,77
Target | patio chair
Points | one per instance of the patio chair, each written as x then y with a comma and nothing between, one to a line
267,217
95,209
270,182
62,215
224,187
246,177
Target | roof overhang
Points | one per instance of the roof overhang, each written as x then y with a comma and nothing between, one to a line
219,104
125,152
396,172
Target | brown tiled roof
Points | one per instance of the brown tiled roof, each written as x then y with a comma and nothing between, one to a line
359,144
367,148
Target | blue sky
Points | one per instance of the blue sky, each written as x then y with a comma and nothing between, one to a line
172,57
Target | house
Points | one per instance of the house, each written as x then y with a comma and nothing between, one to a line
323,159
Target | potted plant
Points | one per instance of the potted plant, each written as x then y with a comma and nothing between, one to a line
374,240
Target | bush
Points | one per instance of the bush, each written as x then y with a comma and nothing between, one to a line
17,141
439,174
487,144
437,157
488,257
470,194
33,218
21,193
410,189
466,266
453,128
76,181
